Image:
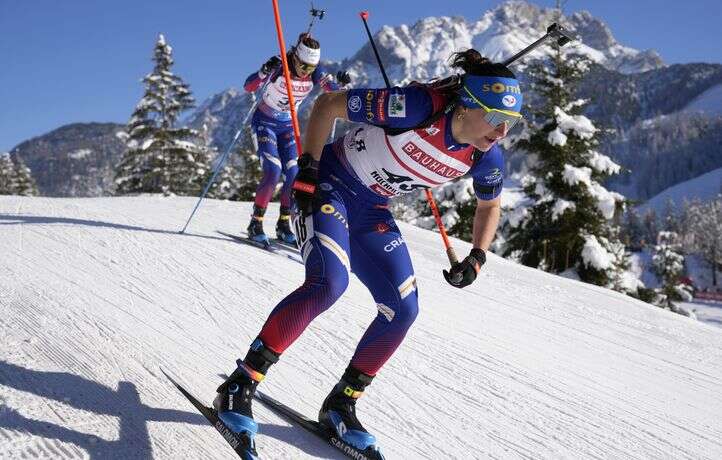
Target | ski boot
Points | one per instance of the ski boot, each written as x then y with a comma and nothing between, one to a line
235,395
283,227
255,228
338,412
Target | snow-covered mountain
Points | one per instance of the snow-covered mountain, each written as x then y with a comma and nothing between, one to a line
97,293
74,160
421,52
664,151
704,187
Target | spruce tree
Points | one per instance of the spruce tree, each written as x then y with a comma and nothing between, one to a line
160,157
25,184
565,224
8,175
225,185
668,265
703,232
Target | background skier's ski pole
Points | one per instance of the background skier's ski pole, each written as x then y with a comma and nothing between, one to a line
450,253
222,161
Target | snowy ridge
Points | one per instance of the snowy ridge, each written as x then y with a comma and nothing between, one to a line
709,102
97,293
421,51
704,187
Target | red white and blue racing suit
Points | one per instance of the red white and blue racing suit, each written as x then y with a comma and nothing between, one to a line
353,230
272,126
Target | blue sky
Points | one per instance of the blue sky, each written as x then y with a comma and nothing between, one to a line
78,61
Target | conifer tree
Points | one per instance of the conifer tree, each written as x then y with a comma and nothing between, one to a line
8,175
668,265
565,224
25,185
160,157
703,232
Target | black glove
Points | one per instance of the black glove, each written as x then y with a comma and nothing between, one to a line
271,65
343,78
464,273
304,187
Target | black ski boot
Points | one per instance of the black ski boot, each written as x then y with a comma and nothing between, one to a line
255,228
338,412
235,395
283,227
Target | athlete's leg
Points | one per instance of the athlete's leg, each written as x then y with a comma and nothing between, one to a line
288,154
381,261
270,162
323,238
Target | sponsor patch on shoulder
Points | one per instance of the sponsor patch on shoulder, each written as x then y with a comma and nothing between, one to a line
397,105
494,176
354,104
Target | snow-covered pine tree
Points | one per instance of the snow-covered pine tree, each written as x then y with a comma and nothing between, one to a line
565,224
249,167
8,175
703,232
162,158
225,185
25,185
668,265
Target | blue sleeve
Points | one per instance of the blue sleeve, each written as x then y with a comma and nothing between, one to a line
488,174
326,80
398,107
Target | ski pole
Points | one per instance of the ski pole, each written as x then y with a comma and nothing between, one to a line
287,77
222,161
450,252
553,31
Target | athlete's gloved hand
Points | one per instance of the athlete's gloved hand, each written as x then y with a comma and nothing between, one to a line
305,185
464,273
271,65
343,78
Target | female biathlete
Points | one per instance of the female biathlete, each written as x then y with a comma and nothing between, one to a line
271,124
412,137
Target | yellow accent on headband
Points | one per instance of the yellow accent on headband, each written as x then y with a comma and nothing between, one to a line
488,109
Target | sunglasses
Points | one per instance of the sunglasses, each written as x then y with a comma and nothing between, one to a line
495,117
308,68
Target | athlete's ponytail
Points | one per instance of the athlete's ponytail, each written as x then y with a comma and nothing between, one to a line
309,41
473,63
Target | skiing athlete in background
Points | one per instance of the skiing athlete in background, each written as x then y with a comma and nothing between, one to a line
272,126
411,138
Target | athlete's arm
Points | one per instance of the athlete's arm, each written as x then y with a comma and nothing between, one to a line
325,80
326,109
486,221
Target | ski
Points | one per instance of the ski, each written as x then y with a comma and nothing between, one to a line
289,246
317,429
242,445
278,249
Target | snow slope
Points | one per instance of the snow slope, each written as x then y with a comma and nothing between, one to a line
704,187
96,294
709,102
